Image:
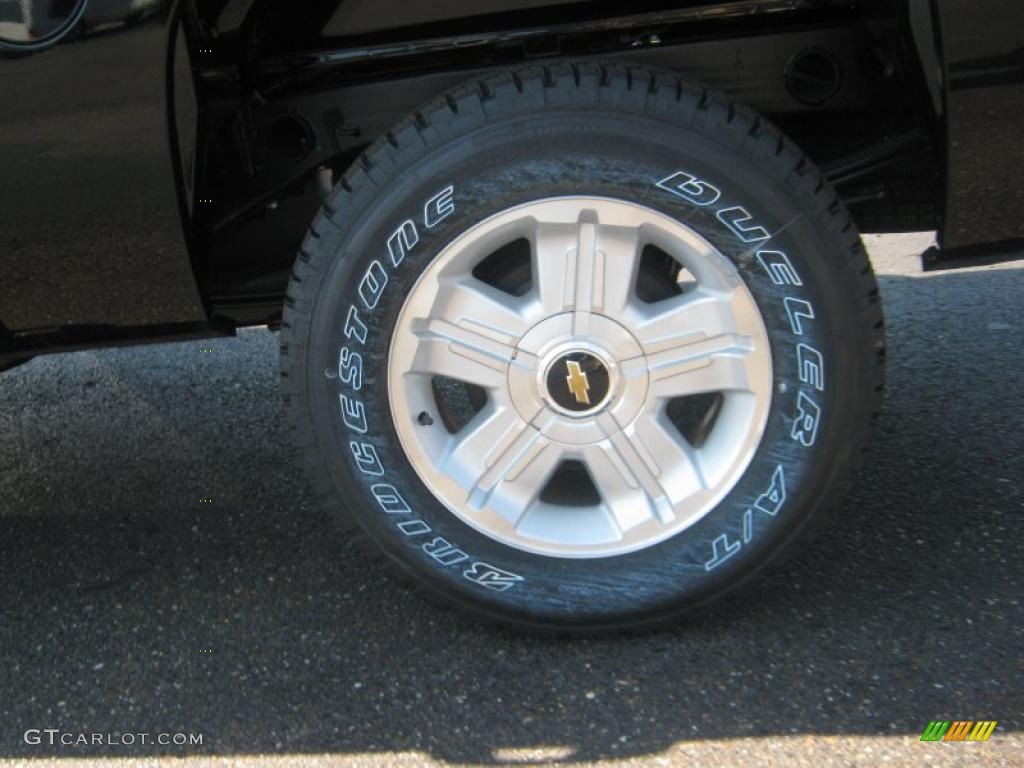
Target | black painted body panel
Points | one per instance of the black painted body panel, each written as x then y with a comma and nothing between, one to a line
983,42
90,227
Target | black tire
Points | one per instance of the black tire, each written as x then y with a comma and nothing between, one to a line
604,130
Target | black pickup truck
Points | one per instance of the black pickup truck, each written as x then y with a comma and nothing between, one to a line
576,323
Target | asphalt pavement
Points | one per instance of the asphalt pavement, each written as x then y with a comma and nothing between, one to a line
164,570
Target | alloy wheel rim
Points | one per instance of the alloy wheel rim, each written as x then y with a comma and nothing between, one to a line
571,446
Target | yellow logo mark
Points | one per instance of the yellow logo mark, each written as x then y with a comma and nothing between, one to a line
577,381
959,730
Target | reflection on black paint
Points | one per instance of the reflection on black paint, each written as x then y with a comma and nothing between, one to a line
90,230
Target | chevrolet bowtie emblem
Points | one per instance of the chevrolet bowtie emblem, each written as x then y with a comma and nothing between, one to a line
577,381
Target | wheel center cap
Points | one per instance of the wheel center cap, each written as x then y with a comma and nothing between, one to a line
572,387
578,382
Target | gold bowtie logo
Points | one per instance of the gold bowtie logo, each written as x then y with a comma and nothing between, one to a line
577,381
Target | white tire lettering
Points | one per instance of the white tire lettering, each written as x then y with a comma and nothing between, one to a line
414,528
810,366
795,309
354,327
443,551
350,374
738,220
366,458
390,500
690,188
375,279
492,577
402,241
771,501
810,362
439,207
805,427
353,414
721,550
780,270
350,368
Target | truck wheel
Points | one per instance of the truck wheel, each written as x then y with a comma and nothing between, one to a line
582,346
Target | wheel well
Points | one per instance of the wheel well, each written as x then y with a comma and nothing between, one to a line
283,109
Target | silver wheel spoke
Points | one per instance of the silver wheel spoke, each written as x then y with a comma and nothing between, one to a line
643,471
473,449
470,334
521,484
584,268
717,364
460,353
696,313
628,501
551,247
481,308
692,346
503,463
